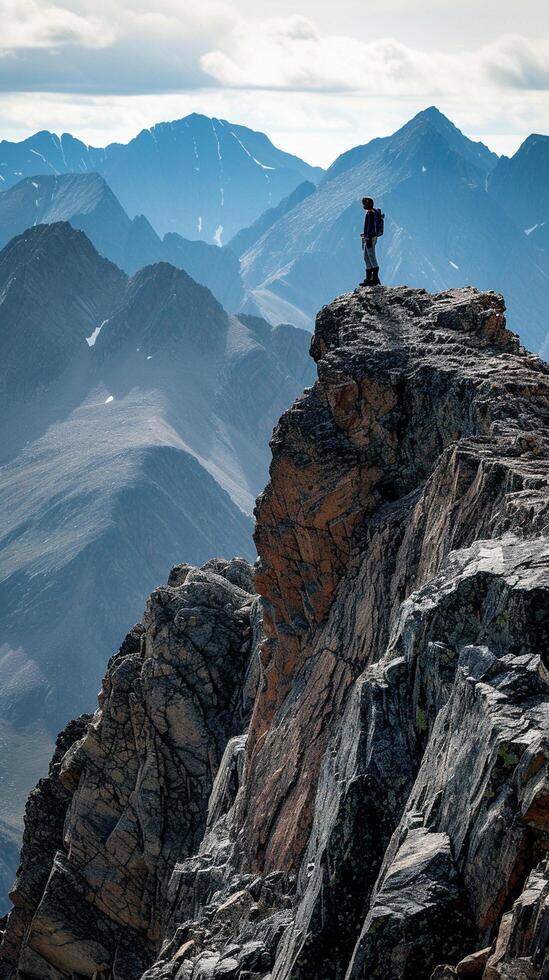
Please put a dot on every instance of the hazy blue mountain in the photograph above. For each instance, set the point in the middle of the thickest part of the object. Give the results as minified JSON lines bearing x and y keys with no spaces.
{"x":134,"y":427}
{"x":54,"y":290}
{"x":443,"y":229}
{"x":521,"y":184}
{"x":244,"y":239}
{"x":476,"y":153}
{"x":83,"y":199}
{"x":88,"y":203}
{"x":214,"y":267}
{"x":202,"y":177}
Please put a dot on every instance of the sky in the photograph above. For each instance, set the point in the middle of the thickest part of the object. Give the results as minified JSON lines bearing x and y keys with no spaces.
{"x":317,"y":77}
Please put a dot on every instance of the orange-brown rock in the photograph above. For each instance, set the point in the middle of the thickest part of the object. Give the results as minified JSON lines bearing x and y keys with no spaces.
{"x":417,"y":402}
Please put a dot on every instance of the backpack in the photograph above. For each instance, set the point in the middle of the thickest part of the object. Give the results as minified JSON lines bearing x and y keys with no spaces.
{"x":379,"y":222}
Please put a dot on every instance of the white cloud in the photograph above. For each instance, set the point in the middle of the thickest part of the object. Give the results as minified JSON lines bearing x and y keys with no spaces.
{"x":130,"y":47}
{"x":289,"y":53}
{"x":105,"y":70}
{"x":31,"y":24}
{"x":124,"y":47}
{"x":516,"y":62}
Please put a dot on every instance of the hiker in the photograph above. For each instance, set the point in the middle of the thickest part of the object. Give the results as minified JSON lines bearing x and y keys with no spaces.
{"x":373,"y":229}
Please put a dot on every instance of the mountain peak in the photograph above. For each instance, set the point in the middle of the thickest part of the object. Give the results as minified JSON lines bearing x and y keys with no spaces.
{"x":523,"y":180}
{"x":430,"y":125}
{"x":164,"y":310}
{"x":474,"y":152}
{"x":54,"y":291}
{"x":168,"y":274}
{"x":64,"y":253}
{"x":47,"y":238}
{"x":432,"y":112}
{"x":535,"y":143}
{"x":199,"y":175}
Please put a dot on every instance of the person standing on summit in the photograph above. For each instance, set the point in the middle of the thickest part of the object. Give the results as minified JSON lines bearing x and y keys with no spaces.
{"x":373,"y":229}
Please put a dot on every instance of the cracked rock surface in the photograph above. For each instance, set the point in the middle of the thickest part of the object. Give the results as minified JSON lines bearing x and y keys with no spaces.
{"x":348,"y":777}
{"x":137,"y":782}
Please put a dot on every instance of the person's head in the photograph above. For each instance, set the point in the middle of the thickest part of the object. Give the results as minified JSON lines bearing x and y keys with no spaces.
{"x":367,"y":203}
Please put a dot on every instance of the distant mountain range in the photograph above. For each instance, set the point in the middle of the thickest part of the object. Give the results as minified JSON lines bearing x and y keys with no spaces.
{"x":202,"y":177}
{"x":135,"y":416}
{"x":455,"y":216}
{"x":88,"y":203}
{"x":456,"y":213}
{"x":521,"y":184}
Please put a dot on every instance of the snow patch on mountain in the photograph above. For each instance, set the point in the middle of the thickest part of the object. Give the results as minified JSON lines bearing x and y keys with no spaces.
{"x":95,"y":334}
{"x":216,"y":140}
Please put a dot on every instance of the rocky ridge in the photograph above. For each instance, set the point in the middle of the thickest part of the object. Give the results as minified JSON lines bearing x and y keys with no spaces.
{"x":385,"y":814}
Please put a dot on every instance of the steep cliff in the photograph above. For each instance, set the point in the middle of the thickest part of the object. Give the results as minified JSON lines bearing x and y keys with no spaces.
{"x":386,"y":812}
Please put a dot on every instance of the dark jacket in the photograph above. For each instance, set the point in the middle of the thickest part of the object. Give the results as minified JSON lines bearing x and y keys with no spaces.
{"x":370,"y":227}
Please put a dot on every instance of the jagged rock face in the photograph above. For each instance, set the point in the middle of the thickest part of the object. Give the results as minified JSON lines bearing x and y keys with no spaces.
{"x":387,"y":813}
{"x":384,"y":468}
{"x":139,"y":779}
{"x":44,"y":819}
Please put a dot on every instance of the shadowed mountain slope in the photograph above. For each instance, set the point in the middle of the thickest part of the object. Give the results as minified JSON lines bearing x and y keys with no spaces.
{"x":87,"y":202}
{"x":244,"y":239}
{"x":521,"y":183}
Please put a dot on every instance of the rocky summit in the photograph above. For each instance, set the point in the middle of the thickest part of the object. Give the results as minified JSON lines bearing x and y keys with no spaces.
{"x":334,"y":766}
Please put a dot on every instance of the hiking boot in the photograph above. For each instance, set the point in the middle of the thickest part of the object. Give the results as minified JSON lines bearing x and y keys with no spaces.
{"x":368,"y":280}
{"x":374,"y":281}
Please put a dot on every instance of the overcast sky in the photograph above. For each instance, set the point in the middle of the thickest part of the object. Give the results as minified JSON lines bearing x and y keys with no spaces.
{"x":318,"y":77}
